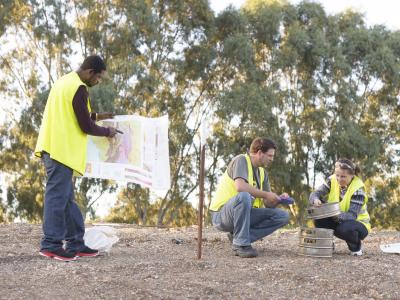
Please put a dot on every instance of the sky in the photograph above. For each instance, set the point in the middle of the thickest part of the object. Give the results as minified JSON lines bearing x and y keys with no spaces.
{"x":385,"y":12}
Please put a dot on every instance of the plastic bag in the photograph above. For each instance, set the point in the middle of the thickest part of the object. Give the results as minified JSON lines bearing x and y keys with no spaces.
{"x":100,"y":238}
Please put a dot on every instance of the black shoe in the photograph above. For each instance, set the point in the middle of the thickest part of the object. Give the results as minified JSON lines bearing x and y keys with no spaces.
{"x":59,"y":254}
{"x":244,"y":251}
{"x":230,"y":236}
{"x":87,"y":252}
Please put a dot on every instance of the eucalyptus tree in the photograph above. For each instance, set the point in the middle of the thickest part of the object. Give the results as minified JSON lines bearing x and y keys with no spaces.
{"x":322,"y":86}
{"x":152,"y":50}
{"x":146,"y":45}
{"x":38,"y":47}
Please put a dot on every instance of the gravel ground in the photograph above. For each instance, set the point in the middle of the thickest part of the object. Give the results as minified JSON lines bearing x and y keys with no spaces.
{"x":147,"y":263}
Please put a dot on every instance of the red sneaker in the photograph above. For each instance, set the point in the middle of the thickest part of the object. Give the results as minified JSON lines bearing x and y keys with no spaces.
{"x":87,"y":252}
{"x":59,"y":254}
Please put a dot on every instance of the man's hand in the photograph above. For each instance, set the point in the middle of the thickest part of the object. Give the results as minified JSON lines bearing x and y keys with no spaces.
{"x":317,"y":202}
{"x":271,"y":199}
{"x":103,"y":116}
{"x":113,"y":131}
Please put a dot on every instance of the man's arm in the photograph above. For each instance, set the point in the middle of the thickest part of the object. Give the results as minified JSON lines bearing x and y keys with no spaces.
{"x":270,"y":199}
{"x":88,"y":126}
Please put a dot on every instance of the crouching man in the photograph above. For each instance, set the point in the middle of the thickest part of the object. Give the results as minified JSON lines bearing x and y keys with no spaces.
{"x":244,"y":205}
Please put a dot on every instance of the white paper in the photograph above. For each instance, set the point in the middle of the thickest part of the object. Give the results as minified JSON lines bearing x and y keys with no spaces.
{"x":139,"y":155}
{"x":391,"y":248}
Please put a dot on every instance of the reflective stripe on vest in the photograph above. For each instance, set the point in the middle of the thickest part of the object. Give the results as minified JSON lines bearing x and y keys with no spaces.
{"x":226,"y":189}
{"x":60,"y":134}
{"x":334,"y":196}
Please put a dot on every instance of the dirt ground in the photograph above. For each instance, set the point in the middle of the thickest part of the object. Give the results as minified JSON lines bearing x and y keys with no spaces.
{"x":147,"y":263}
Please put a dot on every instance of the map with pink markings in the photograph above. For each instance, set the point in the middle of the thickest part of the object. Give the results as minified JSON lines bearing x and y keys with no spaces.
{"x":139,"y":154}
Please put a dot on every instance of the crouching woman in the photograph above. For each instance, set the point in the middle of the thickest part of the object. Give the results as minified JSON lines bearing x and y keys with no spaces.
{"x":345,"y":187}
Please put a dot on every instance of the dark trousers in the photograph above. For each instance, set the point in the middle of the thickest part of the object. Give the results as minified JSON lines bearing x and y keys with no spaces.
{"x":62,"y":219}
{"x":353,"y":232}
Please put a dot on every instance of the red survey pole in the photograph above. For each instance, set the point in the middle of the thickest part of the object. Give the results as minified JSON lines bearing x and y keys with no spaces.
{"x":201,"y":200}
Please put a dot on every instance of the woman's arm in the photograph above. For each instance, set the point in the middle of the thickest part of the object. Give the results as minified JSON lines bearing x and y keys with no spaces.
{"x":356,"y":202}
{"x":317,"y":197}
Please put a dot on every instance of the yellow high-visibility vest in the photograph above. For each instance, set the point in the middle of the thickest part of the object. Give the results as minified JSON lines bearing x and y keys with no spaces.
{"x":226,"y":189}
{"x":60,"y":134}
{"x":334,"y":196}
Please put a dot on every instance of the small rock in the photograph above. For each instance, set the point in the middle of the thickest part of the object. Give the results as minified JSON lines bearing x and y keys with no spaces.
{"x":177,"y":241}
{"x":251,"y":284}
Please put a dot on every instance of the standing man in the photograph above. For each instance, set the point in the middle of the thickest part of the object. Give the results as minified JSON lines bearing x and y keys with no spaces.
{"x":242,"y":193}
{"x":62,"y":146}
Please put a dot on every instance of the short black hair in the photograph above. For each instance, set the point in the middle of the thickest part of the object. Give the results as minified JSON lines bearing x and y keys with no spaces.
{"x":263,"y":144}
{"x":94,"y":62}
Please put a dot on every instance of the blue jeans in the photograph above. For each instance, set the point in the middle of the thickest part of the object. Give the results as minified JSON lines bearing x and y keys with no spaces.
{"x":248,"y":224}
{"x":62,"y":219}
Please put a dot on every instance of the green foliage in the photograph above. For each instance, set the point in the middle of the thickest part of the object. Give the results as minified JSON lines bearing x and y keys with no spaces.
{"x":11,"y":12}
{"x":3,"y":216}
{"x":384,"y":207}
{"x":322,"y":86}
{"x":25,"y":191}
{"x":323,"y":93}
{"x":133,"y":206}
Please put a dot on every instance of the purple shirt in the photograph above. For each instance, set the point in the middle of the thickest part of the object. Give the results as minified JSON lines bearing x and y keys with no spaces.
{"x":86,"y":120}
